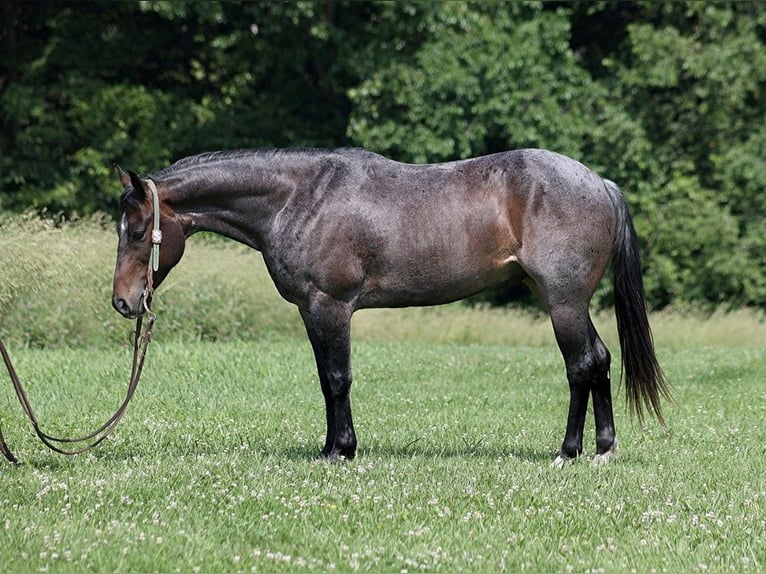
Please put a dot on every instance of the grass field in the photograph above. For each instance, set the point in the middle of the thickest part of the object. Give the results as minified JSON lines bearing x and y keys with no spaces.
{"x":459,"y":413}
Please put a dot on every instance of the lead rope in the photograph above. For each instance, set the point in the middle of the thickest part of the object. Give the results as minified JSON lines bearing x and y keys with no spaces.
{"x":139,"y":355}
{"x":140,"y":346}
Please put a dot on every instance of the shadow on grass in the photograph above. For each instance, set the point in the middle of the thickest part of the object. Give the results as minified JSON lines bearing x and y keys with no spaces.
{"x":141,"y":450}
{"x":468,"y":452}
{"x":413,"y":451}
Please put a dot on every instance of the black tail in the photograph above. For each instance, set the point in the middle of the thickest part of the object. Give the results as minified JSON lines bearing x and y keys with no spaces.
{"x":645,"y":382}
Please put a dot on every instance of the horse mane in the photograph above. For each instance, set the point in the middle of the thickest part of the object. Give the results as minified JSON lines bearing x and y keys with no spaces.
{"x":129,"y":199}
{"x":213,"y":157}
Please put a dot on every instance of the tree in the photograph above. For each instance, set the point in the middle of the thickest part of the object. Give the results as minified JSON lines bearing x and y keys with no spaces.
{"x":149,"y":82}
{"x":694,"y":78}
{"x":481,"y":78}
{"x":666,"y":99}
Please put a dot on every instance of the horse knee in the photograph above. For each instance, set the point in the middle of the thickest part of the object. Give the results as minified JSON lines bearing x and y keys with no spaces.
{"x":602,"y":359}
{"x":339,"y":384}
{"x":590,"y":367}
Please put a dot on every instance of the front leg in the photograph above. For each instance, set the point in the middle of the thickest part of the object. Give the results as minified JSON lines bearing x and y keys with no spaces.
{"x":328,"y":324}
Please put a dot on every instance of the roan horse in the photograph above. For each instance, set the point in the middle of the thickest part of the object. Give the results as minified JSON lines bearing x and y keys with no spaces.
{"x":348,"y":229}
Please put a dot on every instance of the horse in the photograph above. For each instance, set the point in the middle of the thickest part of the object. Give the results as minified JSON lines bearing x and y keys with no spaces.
{"x":347,"y":229}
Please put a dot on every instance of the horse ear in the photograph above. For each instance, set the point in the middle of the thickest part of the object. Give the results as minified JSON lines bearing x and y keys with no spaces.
{"x":138,"y":185}
{"x":131,"y":179}
{"x":124,"y":177}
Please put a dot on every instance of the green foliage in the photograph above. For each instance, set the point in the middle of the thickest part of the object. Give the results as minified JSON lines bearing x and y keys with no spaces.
{"x":708,"y":248}
{"x":666,"y":99}
{"x":481,"y":81}
{"x":485,"y":78}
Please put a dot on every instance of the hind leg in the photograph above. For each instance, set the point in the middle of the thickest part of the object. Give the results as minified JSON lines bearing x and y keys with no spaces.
{"x":601,"y":390}
{"x":587,"y":365}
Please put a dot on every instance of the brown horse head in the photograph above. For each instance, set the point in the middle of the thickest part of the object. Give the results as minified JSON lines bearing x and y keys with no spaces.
{"x":135,"y":243}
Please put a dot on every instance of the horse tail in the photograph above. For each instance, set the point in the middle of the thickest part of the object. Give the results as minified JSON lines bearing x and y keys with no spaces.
{"x":645,"y":381}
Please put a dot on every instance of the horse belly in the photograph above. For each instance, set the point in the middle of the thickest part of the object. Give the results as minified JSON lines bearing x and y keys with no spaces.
{"x":437,"y":265}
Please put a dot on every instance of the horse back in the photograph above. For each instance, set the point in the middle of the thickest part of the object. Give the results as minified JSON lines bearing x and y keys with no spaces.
{"x":385,"y":233}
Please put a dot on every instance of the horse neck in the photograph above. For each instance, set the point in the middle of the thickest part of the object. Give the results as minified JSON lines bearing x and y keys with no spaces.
{"x":234,"y":197}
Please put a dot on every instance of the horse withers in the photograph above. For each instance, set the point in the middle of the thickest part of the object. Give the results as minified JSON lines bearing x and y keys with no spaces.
{"x":348,"y":229}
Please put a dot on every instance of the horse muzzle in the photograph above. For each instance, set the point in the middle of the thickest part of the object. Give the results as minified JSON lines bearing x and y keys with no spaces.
{"x":123,"y":308}
{"x":130,"y":309}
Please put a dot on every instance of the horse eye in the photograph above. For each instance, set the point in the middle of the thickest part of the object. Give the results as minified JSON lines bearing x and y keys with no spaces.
{"x":137,"y":235}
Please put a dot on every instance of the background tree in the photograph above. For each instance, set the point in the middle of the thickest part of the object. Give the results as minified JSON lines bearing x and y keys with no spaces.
{"x":667,"y":99}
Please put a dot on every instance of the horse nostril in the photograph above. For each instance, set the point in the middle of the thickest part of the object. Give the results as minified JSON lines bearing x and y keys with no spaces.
{"x":121,"y":306}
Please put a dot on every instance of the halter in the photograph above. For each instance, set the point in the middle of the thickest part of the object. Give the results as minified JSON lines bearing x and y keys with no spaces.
{"x":154,"y":260}
{"x":140,"y":345}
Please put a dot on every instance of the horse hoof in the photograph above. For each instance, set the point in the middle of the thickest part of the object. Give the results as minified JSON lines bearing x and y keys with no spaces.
{"x":336,"y":456}
{"x":561,"y":461}
{"x":612,"y":454}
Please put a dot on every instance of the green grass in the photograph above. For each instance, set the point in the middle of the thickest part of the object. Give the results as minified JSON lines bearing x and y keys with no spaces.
{"x":459,"y":413}
{"x":214,"y":466}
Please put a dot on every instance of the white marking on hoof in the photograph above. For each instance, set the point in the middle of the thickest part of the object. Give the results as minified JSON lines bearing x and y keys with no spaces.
{"x":561,"y":461}
{"x":612,"y":454}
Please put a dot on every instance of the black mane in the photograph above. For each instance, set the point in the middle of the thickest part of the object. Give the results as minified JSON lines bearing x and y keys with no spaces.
{"x":207,"y":158}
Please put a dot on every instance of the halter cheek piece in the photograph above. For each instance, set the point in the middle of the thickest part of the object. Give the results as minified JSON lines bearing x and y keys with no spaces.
{"x":154,"y":261}
{"x":154,"y":257}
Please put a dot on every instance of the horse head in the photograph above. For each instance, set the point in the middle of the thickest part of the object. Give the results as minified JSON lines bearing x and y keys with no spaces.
{"x":134,"y":250}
